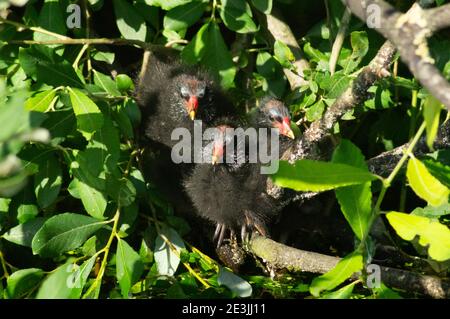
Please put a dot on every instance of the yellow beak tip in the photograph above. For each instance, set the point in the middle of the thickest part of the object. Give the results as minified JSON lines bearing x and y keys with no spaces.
{"x":291,"y":135}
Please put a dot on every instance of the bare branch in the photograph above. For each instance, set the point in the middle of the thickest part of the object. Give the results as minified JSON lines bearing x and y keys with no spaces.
{"x":280,"y":256}
{"x":280,"y":31}
{"x":409,"y":33}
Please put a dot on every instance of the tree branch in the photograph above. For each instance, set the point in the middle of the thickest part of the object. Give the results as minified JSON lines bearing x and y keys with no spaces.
{"x":384,"y":163}
{"x":280,"y":31}
{"x":280,"y":256}
{"x":409,"y":33}
{"x":308,"y":146}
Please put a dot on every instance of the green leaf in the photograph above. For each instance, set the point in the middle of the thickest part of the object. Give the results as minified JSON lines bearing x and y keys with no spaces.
{"x":46,"y":66}
{"x":41,"y":101}
{"x":23,"y":234}
{"x":432,"y":212}
{"x":101,"y":56}
{"x":106,"y":83}
{"x":344,"y":269}
{"x":182,"y":17}
{"x":431,"y":114}
{"x":237,"y":16}
{"x":315,"y":111}
{"x":58,"y":285}
{"x":439,"y":170}
{"x":360,"y":46}
{"x":218,"y":58}
{"x":14,"y":118}
{"x":26,"y":201}
{"x":432,"y":234}
{"x":194,"y":51}
{"x":166,"y":4}
{"x":425,"y":185}
{"x":129,"y":267}
{"x":122,"y":191}
{"x":51,"y":18}
{"x":335,"y":85}
{"x":343,"y":293}
{"x":316,"y":176}
{"x":283,"y":54}
{"x":166,"y":259}
{"x":235,"y":283}
{"x":94,"y":201}
{"x":89,"y":117}
{"x":131,"y":25}
{"x":265,"y":6}
{"x":356,"y":200}
{"x":23,"y":281}
{"x":79,"y":276}
{"x":64,"y":232}
{"x":47,"y":182}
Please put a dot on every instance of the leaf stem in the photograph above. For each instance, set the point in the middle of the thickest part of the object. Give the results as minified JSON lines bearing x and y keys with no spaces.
{"x":3,"y":262}
{"x":21,"y":26}
{"x":106,"y":250}
{"x":387,"y":183}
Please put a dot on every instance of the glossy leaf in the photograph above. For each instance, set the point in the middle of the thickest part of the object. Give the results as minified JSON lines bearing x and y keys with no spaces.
{"x":425,"y":185}
{"x":342,"y":271}
{"x":41,"y":101}
{"x":265,"y":6}
{"x":356,"y":200}
{"x":432,"y":234}
{"x":58,"y":284}
{"x":184,"y":16}
{"x":129,"y":266}
{"x":218,"y":58}
{"x":130,"y":24}
{"x":314,"y":176}
{"x":94,"y":201}
{"x":237,"y":16}
{"x":23,"y":234}
{"x":23,"y":281}
{"x":166,"y":4}
{"x":193,"y":52}
{"x":64,"y":232}
{"x":89,"y":117}
{"x":431,"y":113}
{"x":51,"y":18}
{"x":106,"y":83}
{"x":236,"y":284}
{"x":167,"y":260}
{"x":48,"y":181}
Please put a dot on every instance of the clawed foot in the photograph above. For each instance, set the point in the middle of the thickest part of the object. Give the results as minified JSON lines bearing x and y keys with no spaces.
{"x":251,"y":223}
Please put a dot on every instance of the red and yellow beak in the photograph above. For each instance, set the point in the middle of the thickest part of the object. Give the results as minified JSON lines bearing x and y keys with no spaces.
{"x":192,"y":105}
{"x":217,"y":153}
{"x":285,"y":128}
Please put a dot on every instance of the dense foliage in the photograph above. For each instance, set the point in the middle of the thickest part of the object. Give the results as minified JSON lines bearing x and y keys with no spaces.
{"x":77,"y":219}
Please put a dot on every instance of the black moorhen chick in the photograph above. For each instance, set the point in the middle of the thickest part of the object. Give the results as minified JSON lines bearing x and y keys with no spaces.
{"x":230,"y":194}
{"x":272,"y":113}
{"x":172,"y":94}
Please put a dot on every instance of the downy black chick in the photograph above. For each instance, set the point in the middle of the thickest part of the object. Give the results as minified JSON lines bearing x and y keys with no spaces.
{"x":172,"y":94}
{"x":229,"y":191}
{"x":273,"y":113}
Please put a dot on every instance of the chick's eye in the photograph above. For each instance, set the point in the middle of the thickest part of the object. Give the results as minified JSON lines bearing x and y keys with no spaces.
{"x":201,"y":93}
{"x":184,"y":93}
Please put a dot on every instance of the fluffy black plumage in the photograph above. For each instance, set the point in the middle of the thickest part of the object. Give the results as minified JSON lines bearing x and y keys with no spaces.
{"x":172,"y":94}
{"x":168,"y":95}
{"x":273,"y":113}
{"x":231,"y":194}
